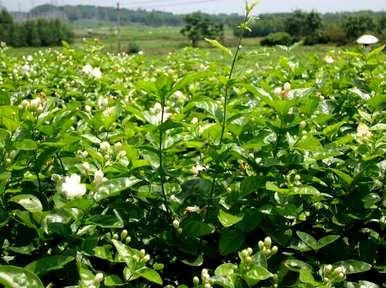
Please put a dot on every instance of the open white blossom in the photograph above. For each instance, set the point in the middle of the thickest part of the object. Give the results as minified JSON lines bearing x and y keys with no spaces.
{"x":197,"y":169}
{"x":329,"y":59}
{"x":72,"y":187}
{"x":87,"y":69}
{"x":363,"y":131}
{"x":156,"y":113}
{"x":96,"y":72}
{"x":91,"y":71}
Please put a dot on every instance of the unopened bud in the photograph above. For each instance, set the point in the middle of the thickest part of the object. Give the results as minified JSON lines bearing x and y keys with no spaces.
{"x":176,"y":224}
{"x":249,"y":260}
{"x":128,"y":239}
{"x":327,"y":269}
{"x":274,"y":250}
{"x":146,"y":258}
{"x":268,"y":242}
{"x":249,"y":250}
{"x":196,"y":280}
{"x":261,"y":245}
{"x":207,"y":285}
{"x":124,"y":234}
{"x":99,"y":277}
{"x":142,"y":252}
{"x":115,"y":236}
{"x":303,"y":124}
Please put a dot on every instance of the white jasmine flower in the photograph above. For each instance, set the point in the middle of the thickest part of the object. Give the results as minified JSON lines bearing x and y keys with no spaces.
{"x":363,"y":131}
{"x":382,"y":166}
{"x":87,"y":108}
{"x":86,"y":166}
{"x":72,"y":187}
{"x":96,"y":72}
{"x":29,"y":58}
{"x":99,"y":177}
{"x":197,"y":169}
{"x":102,"y":101}
{"x":104,"y":147}
{"x":194,"y":120}
{"x":87,"y":69}
{"x":26,"y":68}
{"x":118,"y":147}
{"x":287,"y":86}
{"x":277,"y":91}
{"x":329,"y":59}
{"x":157,"y":108}
{"x":140,"y":52}
{"x":179,"y":96}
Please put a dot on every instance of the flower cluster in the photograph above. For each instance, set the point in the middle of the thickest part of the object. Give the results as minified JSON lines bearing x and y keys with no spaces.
{"x":91,"y":71}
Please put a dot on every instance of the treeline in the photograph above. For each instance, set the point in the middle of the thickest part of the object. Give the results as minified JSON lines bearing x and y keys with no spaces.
{"x":81,"y":13}
{"x":38,"y":32}
{"x":313,"y":27}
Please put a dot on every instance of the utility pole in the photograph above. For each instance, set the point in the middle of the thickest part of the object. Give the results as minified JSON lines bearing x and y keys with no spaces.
{"x":119,"y":26}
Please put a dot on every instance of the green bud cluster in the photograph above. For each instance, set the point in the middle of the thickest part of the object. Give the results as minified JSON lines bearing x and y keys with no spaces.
{"x":334,"y":275}
{"x":266,"y":247}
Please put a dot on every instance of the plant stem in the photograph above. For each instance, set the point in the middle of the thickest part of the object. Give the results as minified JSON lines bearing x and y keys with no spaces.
{"x":37,"y":176}
{"x":225,"y":108}
{"x":160,"y":155}
{"x":61,"y":163}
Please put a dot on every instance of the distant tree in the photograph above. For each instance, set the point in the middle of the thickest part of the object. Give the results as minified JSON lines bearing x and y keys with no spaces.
{"x":33,"y":37}
{"x":313,"y":23}
{"x":6,"y":26}
{"x":199,"y":26}
{"x":358,"y":25}
{"x":296,"y":24}
{"x":382,"y":24}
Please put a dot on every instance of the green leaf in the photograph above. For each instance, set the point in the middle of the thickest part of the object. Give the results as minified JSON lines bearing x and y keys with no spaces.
{"x":228,"y":220}
{"x":230,"y":242}
{"x":29,"y":202}
{"x":353,"y":266}
{"x":4,"y":98}
{"x":251,"y":184}
{"x":257,"y":274}
{"x":296,"y":265}
{"x":225,"y":269}
{"x":113,"y":281}
{"x":218,"y":45}
{"x":16,"y":277}
{"x":305,"y":276}
{"x":149,"y":274}
{"x":197,"y":228}
{"x":114,"y":187}
{"x":345,"y":177}
{"x":326,"y":240}
{"x":309,"y":143}
{"x":26,"y":145}
{"x":106,"y":221}
{"x":308,"y":239}
{"x":46,"y":264}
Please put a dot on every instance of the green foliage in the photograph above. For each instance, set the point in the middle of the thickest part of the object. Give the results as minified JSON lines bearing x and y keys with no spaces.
{"x":199,"y":26}
{"x":33,"y":33}
{"x":356,"y":26}
{"x":117,"y":170}
{"x":278,"y":38}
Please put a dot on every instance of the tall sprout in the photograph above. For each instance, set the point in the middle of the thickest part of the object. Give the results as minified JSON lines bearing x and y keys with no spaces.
{"x":244,"y":26}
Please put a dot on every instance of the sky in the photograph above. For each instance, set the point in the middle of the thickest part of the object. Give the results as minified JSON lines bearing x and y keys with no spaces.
{"x":214,"y":6}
